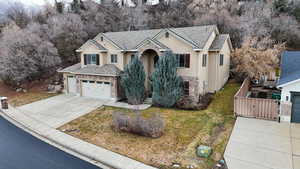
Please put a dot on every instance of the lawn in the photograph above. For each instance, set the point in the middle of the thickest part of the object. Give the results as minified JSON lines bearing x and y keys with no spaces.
{"x":35,"y":93}
{"x":184,"y":131}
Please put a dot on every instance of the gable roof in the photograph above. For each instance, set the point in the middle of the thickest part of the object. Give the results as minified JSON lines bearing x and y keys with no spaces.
{"x":105,"y":70}
{"x":92,"y":43}
{"x":219,"y":42}
{"x":153,"y":41}
{"x":197,"y":36}
{"x":290,"y":69}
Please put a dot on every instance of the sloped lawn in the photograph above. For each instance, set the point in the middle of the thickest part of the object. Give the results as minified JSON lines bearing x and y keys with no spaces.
{"x":35,"y":93}
{"x":184,"y":131}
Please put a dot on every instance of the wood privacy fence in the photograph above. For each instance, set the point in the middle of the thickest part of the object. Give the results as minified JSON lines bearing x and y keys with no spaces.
{"x":254,"y":107}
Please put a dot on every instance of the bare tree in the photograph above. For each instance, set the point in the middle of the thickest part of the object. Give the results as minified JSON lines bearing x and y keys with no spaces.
{"x":25,"y":56}
{"x":18,"y":14}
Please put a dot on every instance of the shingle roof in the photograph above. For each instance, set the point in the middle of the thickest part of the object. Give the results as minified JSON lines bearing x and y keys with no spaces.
{"x":219,"y":42}
{"x":196,"y":35}
{"x":107,"y":70}
{"x":94,"y":43}
{"x":290,"y":69}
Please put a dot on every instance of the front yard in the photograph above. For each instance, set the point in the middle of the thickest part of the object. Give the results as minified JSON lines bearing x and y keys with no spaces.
{"x":184,"y":131}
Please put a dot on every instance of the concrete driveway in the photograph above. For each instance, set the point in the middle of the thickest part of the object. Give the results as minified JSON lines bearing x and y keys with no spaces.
{"x":59,"y":110}
{"x":260,"y":144}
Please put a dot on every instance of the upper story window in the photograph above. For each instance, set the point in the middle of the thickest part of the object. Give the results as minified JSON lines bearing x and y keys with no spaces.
{"x":204,"y":60}
{"x":91,"y":59}
{"x":183,"y":60}
{"x":101,"y":38}
{"x":114,"y":58}
{"x":221,"y":59}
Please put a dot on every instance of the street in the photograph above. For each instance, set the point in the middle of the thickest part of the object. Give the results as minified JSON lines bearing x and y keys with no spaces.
{"x":20,"y":150}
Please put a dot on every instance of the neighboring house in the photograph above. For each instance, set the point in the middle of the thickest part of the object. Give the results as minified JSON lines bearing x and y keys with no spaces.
{"x":203,"y":54}
{"x":289,"y":83}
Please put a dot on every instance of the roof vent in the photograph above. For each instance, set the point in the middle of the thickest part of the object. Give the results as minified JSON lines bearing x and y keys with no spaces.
{"x":167,"y":34}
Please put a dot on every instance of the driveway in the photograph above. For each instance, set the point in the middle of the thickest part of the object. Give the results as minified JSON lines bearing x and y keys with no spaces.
{"x":260,"y":144}
{"x":59,"y":110}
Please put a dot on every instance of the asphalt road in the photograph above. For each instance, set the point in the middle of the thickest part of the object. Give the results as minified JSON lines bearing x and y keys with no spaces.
{"x":20,"y":150}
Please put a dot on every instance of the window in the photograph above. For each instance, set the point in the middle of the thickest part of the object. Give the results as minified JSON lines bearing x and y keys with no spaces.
{"x":183,"y":60}
{"x":204,"y":60}
{"x":221,"y":59}
{"x":287,"y":98}
{"x":167,"y":34}
{"x":91,"y":59}
{"x":114,"y":58}
{"x":186,"y":88}
{"x":92,"y":81}
{"x":101,"y":38}
{"x":84,"y":81}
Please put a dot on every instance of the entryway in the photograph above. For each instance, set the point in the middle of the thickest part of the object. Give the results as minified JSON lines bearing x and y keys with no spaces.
{"x":96,"y":89}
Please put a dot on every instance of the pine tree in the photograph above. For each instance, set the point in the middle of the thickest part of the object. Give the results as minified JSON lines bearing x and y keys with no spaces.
{"x":167,"y":86}
{"x":133,"y":81}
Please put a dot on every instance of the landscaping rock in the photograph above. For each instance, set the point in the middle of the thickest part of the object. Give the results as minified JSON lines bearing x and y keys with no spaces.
{"x":19,"y":90}
{"x":204,"y":151}
{"x":176,"y":165}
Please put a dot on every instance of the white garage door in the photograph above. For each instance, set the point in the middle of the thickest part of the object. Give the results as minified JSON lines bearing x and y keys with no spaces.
{"x":72,"y":84}
{"x":96,"y":89}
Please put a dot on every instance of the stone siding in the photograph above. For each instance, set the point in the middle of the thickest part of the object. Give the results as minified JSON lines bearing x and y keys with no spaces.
{"x":193,"y":87}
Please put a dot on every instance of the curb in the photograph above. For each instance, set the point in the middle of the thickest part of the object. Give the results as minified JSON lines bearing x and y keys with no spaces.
{"x":83,"y":150}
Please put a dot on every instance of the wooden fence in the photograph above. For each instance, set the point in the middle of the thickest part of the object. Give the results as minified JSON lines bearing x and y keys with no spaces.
{"x":254,"y":107}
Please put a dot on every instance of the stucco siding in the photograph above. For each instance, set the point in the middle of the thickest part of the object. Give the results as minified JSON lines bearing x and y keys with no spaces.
{"x":223,"y":70}
{"x":285,"y":91}
{"x":180,"y":47}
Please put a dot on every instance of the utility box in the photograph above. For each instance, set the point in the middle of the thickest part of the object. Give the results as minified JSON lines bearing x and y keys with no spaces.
{"x":4,"y":103}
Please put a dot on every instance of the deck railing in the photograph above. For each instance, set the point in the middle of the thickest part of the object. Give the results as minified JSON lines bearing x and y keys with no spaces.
{"x":254,"y":107}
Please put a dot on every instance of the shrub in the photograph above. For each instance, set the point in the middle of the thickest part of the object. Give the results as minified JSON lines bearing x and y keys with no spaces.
{"x":133,"y":81}
{"x":187,"y":103}
{"x":167,"y":85}
{"x":137,"y":124}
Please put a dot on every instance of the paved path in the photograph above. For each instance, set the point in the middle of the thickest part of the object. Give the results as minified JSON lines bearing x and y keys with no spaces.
{"x":20,"y":150}
{"x":260,"y":144}
{"x":59,"y":110}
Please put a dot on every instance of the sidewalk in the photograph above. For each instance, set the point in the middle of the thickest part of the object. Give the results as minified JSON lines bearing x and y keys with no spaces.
{"x":84,"y":150}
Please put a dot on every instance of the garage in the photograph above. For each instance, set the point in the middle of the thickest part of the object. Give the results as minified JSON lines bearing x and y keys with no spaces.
{"x":72,"y":84}
{"x":296,"y":108}
{"x":96,"y":89}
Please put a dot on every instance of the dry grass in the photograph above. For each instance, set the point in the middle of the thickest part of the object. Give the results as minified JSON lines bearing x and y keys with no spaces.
{"x":29,"y":97}
{"x":34,"y":93}
{"x":184,"y":131}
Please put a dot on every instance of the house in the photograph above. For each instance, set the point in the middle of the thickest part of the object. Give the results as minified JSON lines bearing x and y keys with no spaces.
{"x":289,"y":83}
{"x":203,"y":54}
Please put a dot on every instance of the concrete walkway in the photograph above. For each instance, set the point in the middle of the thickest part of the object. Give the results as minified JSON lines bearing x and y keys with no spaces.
{"x":77,"y":147}
{"x":260,"y":144}
{"x":59,"y":110}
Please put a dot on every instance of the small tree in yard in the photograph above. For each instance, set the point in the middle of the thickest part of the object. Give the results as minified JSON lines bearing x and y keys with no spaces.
{"x":167,"y":86}
{"x":133,"y":81}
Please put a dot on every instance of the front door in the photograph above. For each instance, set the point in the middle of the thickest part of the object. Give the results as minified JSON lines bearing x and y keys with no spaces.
{"x":296,"y":108}
{"x":72,"y":84}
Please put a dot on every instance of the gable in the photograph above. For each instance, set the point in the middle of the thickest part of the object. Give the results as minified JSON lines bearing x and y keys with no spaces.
{"x":91,"y":45}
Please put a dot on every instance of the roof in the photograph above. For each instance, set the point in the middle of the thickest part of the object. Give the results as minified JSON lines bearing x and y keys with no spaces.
{"x":197,"y":36}
{"x":219,"y":41}
{"x":290,"y":69}
{"x":93,"y":43}
{"x":106,"y":70}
